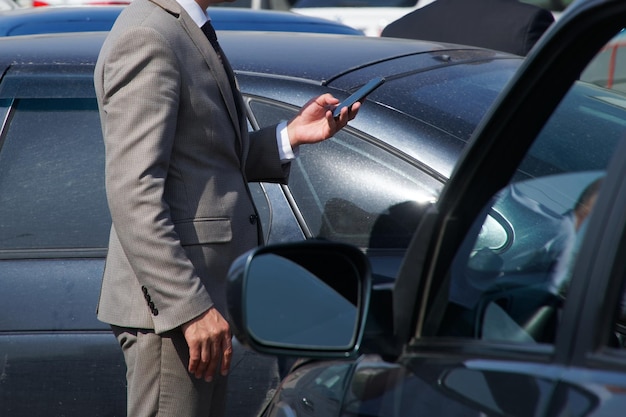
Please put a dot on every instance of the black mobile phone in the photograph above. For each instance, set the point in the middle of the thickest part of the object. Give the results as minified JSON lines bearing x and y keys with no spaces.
{"x":358,"y":95}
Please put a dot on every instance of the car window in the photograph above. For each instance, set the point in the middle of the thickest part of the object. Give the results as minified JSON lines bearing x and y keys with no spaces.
{"x":606,"y":68}
{"x":352,"y":190}
{"x":51,"y":166}
{"x":452,"y":98}
{"x":514,"y":290}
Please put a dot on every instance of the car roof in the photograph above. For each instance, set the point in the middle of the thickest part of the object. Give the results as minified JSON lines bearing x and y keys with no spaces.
{"x":247,"y":52}
{"x":36,"y":20}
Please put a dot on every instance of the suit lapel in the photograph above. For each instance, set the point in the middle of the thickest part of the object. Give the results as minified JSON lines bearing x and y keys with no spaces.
{"x":218,"y":70}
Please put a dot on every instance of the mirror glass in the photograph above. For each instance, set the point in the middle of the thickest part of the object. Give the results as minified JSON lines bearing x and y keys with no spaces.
{"x":288,"y":305}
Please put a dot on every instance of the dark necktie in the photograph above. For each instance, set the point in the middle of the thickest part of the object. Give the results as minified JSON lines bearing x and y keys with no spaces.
{"x":209,"y":32}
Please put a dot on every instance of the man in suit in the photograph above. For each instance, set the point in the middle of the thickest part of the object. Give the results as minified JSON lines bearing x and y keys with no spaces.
{"x":178,"y":159}
{"x":504,"y":25}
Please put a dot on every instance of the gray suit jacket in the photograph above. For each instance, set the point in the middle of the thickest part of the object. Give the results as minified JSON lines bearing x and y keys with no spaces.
{"x":178,"y":159}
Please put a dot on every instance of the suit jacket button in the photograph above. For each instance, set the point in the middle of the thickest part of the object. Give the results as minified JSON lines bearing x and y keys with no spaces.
{"x":253,"y":218}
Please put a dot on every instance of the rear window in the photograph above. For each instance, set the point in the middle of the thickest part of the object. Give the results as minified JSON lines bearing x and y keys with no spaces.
{"x":454,"y":98}
{"x":51,"y":162}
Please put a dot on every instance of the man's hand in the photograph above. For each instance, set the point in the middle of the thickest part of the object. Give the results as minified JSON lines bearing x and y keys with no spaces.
{"x":315,"y":122}
{"x":210,"y":344}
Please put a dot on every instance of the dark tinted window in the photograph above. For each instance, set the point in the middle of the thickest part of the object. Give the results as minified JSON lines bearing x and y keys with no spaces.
{"x":352,"y":191}
{"x":451,"y":91}
{"x":51,"y":176}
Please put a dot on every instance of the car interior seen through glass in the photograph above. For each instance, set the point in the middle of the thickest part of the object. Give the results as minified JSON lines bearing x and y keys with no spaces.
{"x":515,"y":292}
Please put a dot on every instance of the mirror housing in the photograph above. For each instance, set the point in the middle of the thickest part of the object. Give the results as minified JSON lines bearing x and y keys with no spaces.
{"x":305,"y":299}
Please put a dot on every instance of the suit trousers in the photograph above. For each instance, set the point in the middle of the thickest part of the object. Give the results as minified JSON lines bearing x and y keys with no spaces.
{"x":158,"y":381}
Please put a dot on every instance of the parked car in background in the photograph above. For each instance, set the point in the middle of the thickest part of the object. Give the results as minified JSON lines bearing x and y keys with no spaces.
{"x":8,"y":5}
{"x":34,"y":20}
{"x":370,"y":16}
{"x":55,"y":357}
{"x":467,"y":330}
{"x":608,"y":69}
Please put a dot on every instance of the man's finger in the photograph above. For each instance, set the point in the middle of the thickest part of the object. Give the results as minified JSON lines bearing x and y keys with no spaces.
{"x":211,"y":364}
{"x":194,"y":359}
{"x":227,"y":356}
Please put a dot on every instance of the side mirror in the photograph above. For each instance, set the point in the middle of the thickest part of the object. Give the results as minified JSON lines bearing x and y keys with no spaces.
{"x":306,"y":299}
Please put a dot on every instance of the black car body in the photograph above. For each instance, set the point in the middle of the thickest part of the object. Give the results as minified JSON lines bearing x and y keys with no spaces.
{"x":467,"y":330}
{"x":55,"y":357}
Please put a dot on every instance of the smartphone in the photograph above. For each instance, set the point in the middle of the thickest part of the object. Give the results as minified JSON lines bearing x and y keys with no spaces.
{"x":358,"y":95}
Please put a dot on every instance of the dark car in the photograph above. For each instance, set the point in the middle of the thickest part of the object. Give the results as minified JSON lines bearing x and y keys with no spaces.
{"x":55,"y":357}
{"x":466,"y":329}
{"x":36,"y":20}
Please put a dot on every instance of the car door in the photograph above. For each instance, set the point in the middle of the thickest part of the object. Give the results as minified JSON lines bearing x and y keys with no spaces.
{"x":510,"y":299}
{"x":496,"y":338}
{"x":594,"y":346}
{"x":496,"y":264}
{"x":56,"y":358}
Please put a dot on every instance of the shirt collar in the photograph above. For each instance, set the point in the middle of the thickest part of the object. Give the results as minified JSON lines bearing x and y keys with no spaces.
{"x":195,"y":11}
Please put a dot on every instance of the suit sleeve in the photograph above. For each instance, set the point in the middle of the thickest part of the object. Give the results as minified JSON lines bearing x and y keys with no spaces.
{"x":263,"y":162}
{"x":140,"y":103}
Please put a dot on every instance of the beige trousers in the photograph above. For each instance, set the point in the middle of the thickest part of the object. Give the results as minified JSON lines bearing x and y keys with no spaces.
{"x":159,"y":384}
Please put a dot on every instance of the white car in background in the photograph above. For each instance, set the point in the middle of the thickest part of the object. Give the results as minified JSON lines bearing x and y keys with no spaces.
{"x":370,"y":16}
{"x":8,"y":5}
